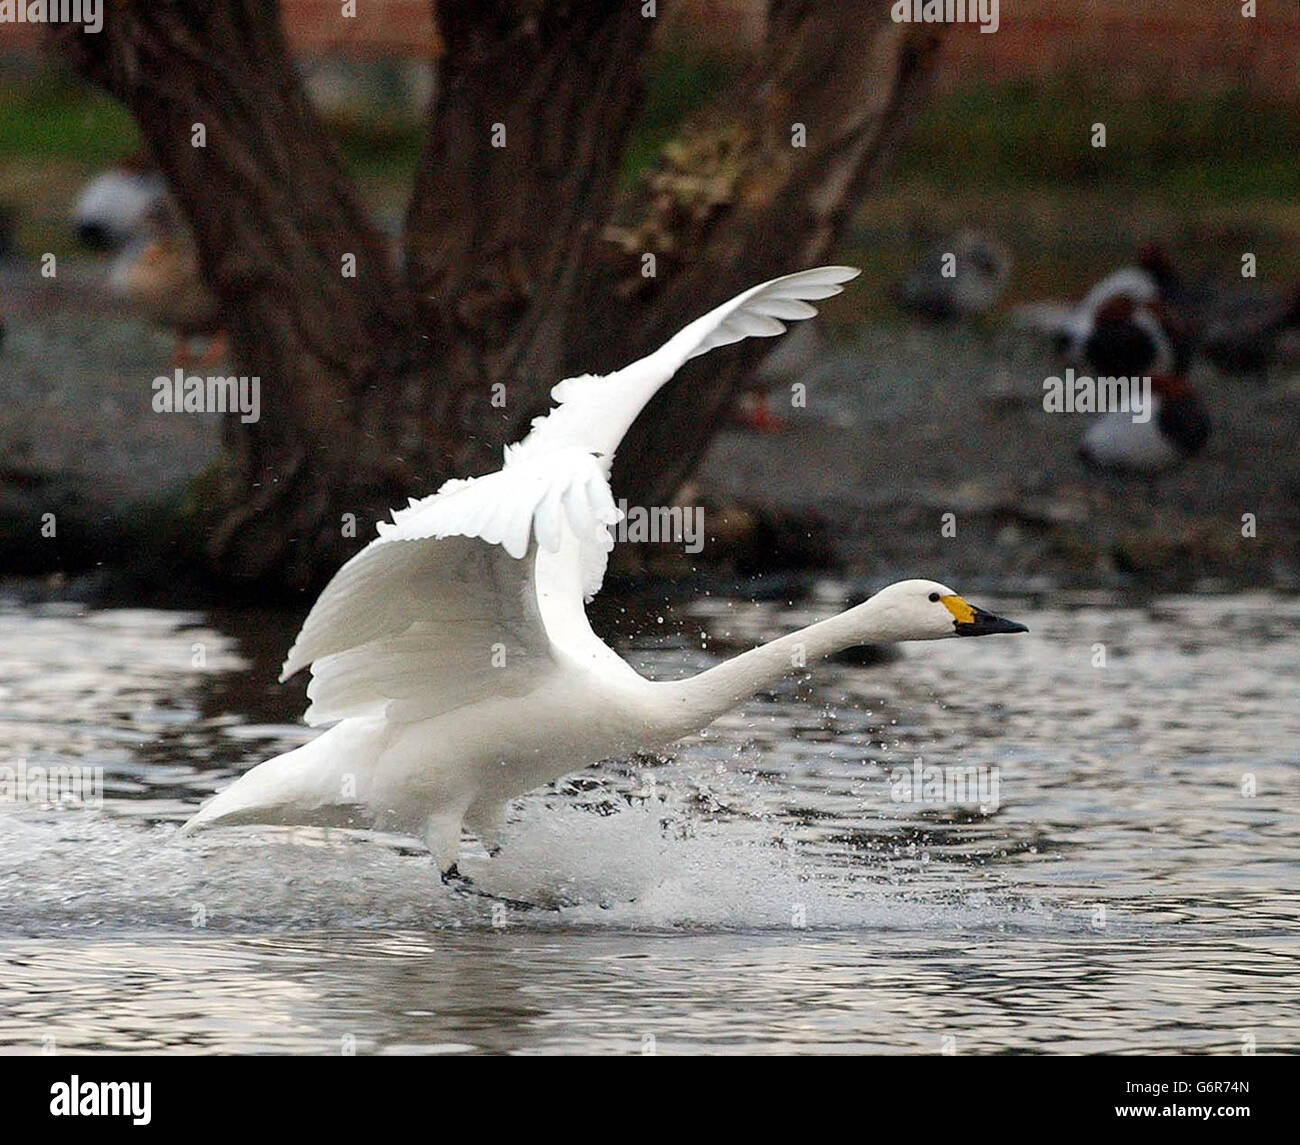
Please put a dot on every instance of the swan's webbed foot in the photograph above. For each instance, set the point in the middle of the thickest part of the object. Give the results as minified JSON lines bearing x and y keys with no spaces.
{"x":452,"y":877}
{"x":464,"y":885}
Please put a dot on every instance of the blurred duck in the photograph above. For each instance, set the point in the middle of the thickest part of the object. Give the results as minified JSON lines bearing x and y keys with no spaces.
{"x":1069,"y":327}
{"x":158,"y":274}
{"x":111,"y":209}
{"x":1237,"y":326}
{"x":127,"y":210}
{"x":1177,"y":429}
{"x":1131,"y":339}
{"x":1240,"y":328}
{"x":981,"y":269}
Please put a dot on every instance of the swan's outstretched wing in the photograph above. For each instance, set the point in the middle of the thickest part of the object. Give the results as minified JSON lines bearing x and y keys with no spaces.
{"x":595,"y":412}
{"x":441,"y":609}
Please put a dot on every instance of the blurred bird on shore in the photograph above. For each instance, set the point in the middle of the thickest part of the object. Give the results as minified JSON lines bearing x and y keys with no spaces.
{"x":1241,"y":328}
{"x":1069,"y":325}
{"x":1236,"y":325}
{"x":127,"y":210}
{"x":113,"y":206}
{"x":1177,"y":429}
{"x":961,"y":278}
{"x":158,"y":274}
{"x":1136,"y":341}
{"x":1129,"y":339}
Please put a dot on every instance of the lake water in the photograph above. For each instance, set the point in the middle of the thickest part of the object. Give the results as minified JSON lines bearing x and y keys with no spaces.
{"x":1122,"y":875}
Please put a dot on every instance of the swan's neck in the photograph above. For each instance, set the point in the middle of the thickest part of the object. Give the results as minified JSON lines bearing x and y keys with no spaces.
{"x":719,"y":689}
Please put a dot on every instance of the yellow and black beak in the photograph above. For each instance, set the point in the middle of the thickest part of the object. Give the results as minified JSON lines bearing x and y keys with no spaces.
{"x":971,"y":621}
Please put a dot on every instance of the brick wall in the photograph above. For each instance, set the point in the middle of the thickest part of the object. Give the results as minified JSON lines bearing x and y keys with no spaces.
{"x":1174,"y":45}
{"x":1139,"y":44}
{"x":380,"y":27}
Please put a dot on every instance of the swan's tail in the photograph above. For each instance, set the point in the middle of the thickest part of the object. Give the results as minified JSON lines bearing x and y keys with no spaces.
{"x":313,"y":785}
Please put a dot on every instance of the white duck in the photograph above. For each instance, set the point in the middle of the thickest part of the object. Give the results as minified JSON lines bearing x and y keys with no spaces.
{"x":453,"y":654}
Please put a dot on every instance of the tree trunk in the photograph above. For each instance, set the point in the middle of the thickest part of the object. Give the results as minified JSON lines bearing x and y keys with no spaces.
{"x":377,"y":387}
{"x":534,"y":106}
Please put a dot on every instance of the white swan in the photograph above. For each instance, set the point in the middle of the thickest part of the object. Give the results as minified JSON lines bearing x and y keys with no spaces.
{"x":453,"y":653}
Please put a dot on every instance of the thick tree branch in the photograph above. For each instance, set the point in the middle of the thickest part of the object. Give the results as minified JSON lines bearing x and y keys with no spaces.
{"x":380,"y":386}
{"x":735,"y":201}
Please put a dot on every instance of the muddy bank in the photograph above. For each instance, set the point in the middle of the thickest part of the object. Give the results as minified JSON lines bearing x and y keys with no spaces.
{"x":90,"y":476}
{"x":908,"y":424}
{"x":902,"y":425}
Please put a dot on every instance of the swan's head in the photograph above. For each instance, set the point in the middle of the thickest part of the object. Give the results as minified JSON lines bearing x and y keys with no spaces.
{"x":928,"y":610}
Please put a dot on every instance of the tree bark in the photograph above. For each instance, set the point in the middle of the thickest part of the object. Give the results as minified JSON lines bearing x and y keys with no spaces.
{"x":518,"y":175}
{"x":379,"y":386}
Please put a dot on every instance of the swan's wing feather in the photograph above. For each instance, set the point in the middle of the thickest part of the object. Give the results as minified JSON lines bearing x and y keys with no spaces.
{"x":595,"y":412}
{"x":478,"y":636}
{"x":440,"y":609}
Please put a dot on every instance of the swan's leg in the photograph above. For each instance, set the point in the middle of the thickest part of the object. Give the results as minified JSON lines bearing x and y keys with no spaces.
{"x":487,"y":820}
{"x":464,"y":885}
{"x":442,"y":837}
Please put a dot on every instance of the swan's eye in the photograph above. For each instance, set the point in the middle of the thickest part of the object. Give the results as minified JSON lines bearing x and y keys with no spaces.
{"x":934,"y":598}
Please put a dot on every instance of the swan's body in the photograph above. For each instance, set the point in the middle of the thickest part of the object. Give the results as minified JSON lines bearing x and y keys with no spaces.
{"x":454,"y":651}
